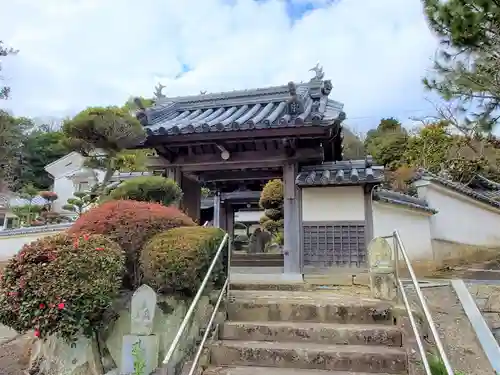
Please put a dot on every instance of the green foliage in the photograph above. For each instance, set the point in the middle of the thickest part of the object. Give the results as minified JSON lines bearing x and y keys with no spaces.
{"x":40,"y":148}
{"x":149,"y":189}
{"x":130,"y":224}
{"x":12,"y":131}
{"x":176,"y":261}
{"x":437,"y":366}
{"x":274,"y":213}
{"x":469,"y":32}
{"x":138,"y":356}
{"x":61,"y":285}
{"x":387,"y":142}
{"x":80,"y":201}
{"x":273,"y":226}
{"x":271,"y":199}
{"x":272,"y":195}
{"x":5,"y":51}
{"x":102,"y":135}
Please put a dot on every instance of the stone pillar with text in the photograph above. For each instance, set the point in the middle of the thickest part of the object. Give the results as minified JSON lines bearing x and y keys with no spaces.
{"x":291,"y":233}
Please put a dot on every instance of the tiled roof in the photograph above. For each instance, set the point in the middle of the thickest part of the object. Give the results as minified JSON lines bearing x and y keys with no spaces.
{"x":402,"y":200}
{"x":479,"y":195}
{"x":245,"y":109}
{"x":40,"y":229}
{"x":352,"y":172}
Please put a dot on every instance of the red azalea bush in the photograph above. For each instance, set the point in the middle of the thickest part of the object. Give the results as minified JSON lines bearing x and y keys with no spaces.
{"x":130,"y":224}
{"x":61,"y":285}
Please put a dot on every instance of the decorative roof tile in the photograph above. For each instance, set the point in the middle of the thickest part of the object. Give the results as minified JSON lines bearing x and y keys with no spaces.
{"x":280,"y":106}
{"x":351,"y":172}
{"x":394,"y":197}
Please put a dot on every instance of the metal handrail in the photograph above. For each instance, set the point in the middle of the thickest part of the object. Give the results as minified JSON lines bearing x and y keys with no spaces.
{"x":399,"y":247}
{"x":197,"y":297}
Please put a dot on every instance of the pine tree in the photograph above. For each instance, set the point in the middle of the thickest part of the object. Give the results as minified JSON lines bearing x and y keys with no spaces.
{"x":467,"y":65}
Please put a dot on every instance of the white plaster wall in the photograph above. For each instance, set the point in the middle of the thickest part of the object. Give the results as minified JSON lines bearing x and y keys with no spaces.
{"x":248,"y":216}
{"x":413,"y":227}
{"x":10,"y":245}
{"x":329,"y":203}
{"x":460,"y":218}
{"x":64,"y":188}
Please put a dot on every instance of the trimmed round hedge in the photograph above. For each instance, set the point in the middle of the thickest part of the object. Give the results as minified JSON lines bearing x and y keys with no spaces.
{"x":176,"y":261}
{"x":61,"y":285}
{"x":130,"y":224}
{"x":272,"y":195}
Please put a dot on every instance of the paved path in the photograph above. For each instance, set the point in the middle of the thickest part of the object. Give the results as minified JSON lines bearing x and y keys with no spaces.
{"x":6,"y":333}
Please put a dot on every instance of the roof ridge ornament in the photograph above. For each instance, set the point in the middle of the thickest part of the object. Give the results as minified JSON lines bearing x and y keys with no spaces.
{"x":318,"y":73}
{"x":295,"y":104}
{"x":158,"y":93}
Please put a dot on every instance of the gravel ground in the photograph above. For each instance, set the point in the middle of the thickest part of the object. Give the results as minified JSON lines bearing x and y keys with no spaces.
{"x":13,"y":356}
{"x":455,"y":331}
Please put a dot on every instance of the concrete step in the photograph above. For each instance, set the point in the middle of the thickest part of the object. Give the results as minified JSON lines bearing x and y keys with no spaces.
{"x":257,"y":262}
{"x":284,"y":286}
{"x":320,"y":333}
{"x":253,"y":370}
{"x":256,"y":256}
{"x":307,"y":306}
{"x":309,"y":356}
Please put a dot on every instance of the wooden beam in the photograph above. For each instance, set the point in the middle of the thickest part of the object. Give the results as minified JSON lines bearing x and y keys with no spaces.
{"x":211,"y":137}
{"x":240,"y":175}
{"x":245,"y":160}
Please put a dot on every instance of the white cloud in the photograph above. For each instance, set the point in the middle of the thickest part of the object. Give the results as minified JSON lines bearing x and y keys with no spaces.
{"x":77,"y":53}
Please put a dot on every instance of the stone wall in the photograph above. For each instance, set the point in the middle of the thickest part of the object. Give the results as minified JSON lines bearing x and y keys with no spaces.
{"x":111,"y":354}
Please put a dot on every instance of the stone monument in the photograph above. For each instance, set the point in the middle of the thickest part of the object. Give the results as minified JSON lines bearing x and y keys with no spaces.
{"x":382,"y":270}
{"x":141,"y":343}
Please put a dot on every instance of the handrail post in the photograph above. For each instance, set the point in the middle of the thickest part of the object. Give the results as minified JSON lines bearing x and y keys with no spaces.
{"x":196,"y":298}
{"x":395,"y":246}
{"x":427,"y":312}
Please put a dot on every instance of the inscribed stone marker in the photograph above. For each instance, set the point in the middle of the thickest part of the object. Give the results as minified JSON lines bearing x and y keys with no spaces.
{"x":381,"y":261}
{"x":142,"y":310}
{"x":380,"y":255}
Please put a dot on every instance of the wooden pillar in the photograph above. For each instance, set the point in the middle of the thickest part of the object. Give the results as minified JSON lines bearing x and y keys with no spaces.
{"x":223,"y":215}
{"x":191,"y":199}
{"x":291,"y":249}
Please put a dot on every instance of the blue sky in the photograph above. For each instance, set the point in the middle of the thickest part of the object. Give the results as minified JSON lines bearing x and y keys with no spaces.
{"x":77,"y":53}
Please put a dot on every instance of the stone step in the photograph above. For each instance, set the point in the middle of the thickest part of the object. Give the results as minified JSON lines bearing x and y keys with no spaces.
{"x":307,"y":306}
{"x":253,"y":370}
{"x":256,"y":256}
{"x":284,"y":286}
{"x":257,"y":262}
{"x":320,"y":333}
{"x":309,"y":356}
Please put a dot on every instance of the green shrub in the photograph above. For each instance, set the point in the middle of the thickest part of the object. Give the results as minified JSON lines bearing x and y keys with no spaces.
{"x":273,"y":226}
{"x":272,"y":195}
{"x":437,"y":366}
{"x":149,"y":189}
{"x":177,"y":260}
{"x":61,"y":285}
{"x":274,"y":213}
{"x":263,"y":219}
{"x":271,"y":199}
{"x":130,"y":224}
